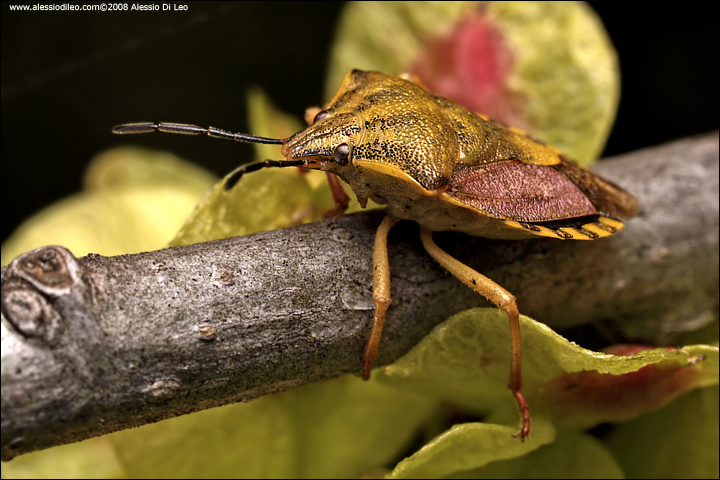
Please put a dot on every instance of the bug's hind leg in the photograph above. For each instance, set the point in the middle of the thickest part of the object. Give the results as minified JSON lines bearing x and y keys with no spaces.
{"x":504,"y":300}
{"x":381,"y":292}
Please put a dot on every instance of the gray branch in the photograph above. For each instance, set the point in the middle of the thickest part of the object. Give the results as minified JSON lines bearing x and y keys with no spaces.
{"x":97,"y":344}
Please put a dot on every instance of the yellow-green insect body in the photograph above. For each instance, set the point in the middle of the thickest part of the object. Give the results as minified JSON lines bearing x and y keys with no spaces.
{"x":432,"y":161}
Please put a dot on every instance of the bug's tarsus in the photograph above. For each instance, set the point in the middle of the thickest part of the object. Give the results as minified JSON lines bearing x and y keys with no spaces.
{"x":187,"y":129}
{"x":524,"y":414}
{"x":236,"y":175}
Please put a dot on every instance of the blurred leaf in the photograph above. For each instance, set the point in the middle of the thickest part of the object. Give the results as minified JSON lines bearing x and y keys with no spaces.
{"x":466,"y":360}
{"x":586,"y":397}
{"x":346,"y":427}
{"x":388,"y":36}
{"x":679,"y":441}
{"x":267,"y":199}
{"x":138,"y":210}
{"x":93,"y":458}
{"x":469,"y":446}
{"x":266,"y":120}
{"x":567,"y":70}
{"x":335,"y":429}
{"x":238,"y":440}
{"x":546,"y":67}
{"x":129,"y":166}
{"x":571,"y":455}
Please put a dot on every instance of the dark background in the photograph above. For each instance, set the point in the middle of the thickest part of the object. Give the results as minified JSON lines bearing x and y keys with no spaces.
{"x":67,"y":78}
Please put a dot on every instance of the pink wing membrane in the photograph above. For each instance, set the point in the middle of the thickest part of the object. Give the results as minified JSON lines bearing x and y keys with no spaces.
{"x":519,"y":191}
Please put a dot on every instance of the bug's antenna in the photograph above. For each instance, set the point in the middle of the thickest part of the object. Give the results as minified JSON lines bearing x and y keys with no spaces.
{"x":236,"y":175}
{"x":186,"y":129}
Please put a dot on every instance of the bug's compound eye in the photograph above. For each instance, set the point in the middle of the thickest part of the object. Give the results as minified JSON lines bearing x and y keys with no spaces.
{"x":341,"y":154}
{"x":321,"y":115}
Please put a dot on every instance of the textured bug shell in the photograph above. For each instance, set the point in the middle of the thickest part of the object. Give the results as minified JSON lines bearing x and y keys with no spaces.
{"x":387,"y":121}
{"x":447,"y":168}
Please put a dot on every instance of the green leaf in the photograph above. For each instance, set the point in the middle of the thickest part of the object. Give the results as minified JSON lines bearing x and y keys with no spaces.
{"x":679,"y":441}
{"x":571,"y":455}
{"x":136,"y":200}
{"x":130,"y":166}
{"x":469,"y":446}
{"x":241,"y":440}
{"x":546,"y":67}
{"x":387,"y":36}
{"x":348,"y":427}
{"x":567,"y":69}
{"x":93,"y":458}
{"x":466,"y":360}
{"x":585,"y":398}
{"x":335,"y":429}
{"x":267,"y":199}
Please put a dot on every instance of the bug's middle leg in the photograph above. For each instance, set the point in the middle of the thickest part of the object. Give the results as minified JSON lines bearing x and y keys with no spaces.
{"x":504,"y":300}
{"x":381,"y":292}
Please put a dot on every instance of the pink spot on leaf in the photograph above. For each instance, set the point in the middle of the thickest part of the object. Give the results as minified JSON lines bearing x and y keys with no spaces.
{"x":471,"y":66}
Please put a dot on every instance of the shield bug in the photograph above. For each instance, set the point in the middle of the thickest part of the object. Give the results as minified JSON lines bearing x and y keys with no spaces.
{"x":432,"y":161}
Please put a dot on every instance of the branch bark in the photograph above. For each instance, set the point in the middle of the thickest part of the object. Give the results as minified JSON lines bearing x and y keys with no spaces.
{"x":96,"y":344}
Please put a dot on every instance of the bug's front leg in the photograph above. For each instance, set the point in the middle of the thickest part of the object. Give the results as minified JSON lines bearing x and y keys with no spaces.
{"x":340,"y":198}
{"x":381,"y":292}
{"x":504,"y":300}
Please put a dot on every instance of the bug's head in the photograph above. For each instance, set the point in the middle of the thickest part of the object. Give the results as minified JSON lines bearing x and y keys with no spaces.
{"x":382,"y":126}
{"x":327,"y":144}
